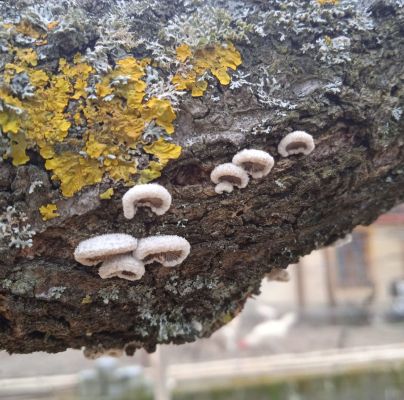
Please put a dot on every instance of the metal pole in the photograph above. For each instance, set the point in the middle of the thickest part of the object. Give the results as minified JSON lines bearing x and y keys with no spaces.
{"x":301,"y":298}
{"x":161,"y":391}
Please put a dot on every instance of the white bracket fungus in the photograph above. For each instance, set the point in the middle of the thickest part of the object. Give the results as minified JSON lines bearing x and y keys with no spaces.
{"x":99,"y":248}
{"x":256,"y":163}
{"x":151,"y":195}
{"x":228,"y":175}
{"x":168,"y":250}
{"x":297,"y":142}
{"x":123,"y":266}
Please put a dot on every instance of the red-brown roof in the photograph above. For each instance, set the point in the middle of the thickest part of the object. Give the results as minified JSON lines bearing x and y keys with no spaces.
{"x":393,"y":217}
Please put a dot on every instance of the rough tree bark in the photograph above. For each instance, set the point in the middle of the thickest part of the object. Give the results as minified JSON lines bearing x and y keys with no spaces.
{"x":351,"y":107}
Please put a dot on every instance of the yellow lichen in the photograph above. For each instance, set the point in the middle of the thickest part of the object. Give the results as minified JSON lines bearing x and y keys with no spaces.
{"x":107,"y":194}
{"x":28,"y":29}
{"x":48,"y":211}
{"x":74,"y":172}
{"x":328,"y":40}
{"x":162,"y":112}
{"x":18,"y":148}
{"x":120,"y":170}
{"x":165,"y":152}
{"x":217,"y":59}
{"x":9,"y":122}
{"x":86,"y":300}
{"x":46,"y":123}
{"x":152,"y":172}
{"x":52,"y":25}
{"x":87,"y":125}
{"x":327,"y":2}
{"x":27,"y":56}
{"x":183,"y":52}
{"x":38,"y":78}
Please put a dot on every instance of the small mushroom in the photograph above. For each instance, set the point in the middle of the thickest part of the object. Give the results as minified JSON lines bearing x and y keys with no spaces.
{"x":168,"y":250}
{"x":257,"y":163}
{"x":151,"y":195}
{"x":123,"y":266}
{"x":297,"y":142}
{"x":99,"y":248}
{"x":228,"y":175}
{"x":224,"y":187}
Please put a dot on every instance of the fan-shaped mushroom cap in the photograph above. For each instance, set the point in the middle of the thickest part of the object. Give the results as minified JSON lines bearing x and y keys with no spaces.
{"x":228,"y":174}
{"x":295,"y":143}
{"x":99,"y":248}
{"x":257,"y":163}
{"x":151,"y":195}
{"x":168,"y":250}
{"x":123,"y":266}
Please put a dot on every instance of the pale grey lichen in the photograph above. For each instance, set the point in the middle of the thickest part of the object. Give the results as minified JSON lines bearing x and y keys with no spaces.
{"x":333,"y":87}
{"x":308,"y":19}
{"x":397,"y":113}
{"x":153,"y":132}
{"x":239,"y":79}
{"x":269,"y":92}
{"x":4,"y":147}
{"x":334,"y":51}
{"x":129,"y":8}
{"x":52,"y":293}
{"x":109,"y":294}
{"x":21,"y":87}
{"x":19,"y":287}
{"x":182,"y":223}
{"x":206,"y":25}
{"x":173,"y":325}
{"x":14,"y":229}
{"x":35,"y":184}
{"x":42,"y":14}
{"x":162,"y":88}
{"x":187,"y":287}
{"x":6,"y":283}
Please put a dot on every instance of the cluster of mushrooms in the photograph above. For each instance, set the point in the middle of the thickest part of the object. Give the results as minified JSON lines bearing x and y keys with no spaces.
{"x":257,"y":163}
{"x":124,"y":256}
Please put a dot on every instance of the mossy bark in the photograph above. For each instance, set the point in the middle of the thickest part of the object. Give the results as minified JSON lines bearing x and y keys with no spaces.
{"x":48,"y":302}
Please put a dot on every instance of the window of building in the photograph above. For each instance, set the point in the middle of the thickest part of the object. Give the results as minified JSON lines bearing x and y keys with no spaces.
{"x":352,"y":268}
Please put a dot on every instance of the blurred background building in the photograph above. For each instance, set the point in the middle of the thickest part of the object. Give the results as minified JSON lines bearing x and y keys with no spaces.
{"x":356,"y":279}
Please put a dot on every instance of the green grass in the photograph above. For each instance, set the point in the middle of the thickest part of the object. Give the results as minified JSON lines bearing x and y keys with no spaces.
{"x":381,"y":385}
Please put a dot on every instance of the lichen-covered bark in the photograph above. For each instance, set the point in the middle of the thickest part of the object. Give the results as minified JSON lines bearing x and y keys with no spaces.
{"x":49,"y":302}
